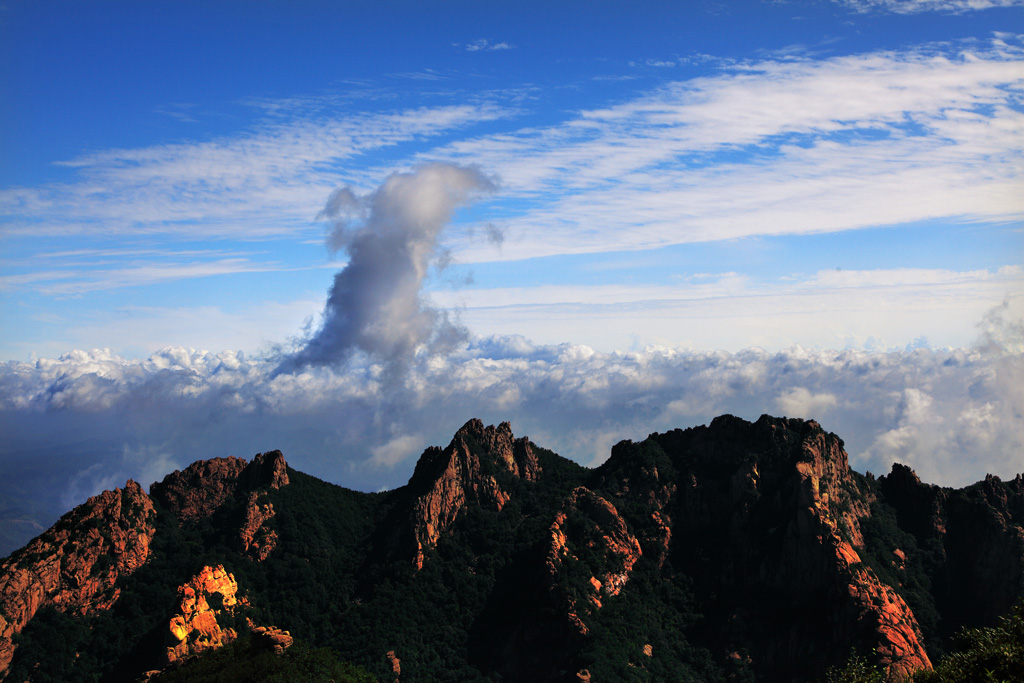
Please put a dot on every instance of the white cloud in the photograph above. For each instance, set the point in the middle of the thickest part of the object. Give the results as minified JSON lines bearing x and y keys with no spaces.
{"x":485,"y":45}
{"x":952,"y":414}
{"x":654,"y":62}
{"x":776,"y":147}
{"x":828,"y":309}
{"x":801,"y":402}
{"x":268,"y":181}
{"x":397,"y":450}
{"x":75,"y":279}
{"x":917,"y":6}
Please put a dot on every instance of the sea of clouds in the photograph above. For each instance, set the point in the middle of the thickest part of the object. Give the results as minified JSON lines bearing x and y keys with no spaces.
{"x":952,"y":415}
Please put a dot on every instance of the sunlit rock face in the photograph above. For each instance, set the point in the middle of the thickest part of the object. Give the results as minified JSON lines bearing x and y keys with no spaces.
{"x":255,"y":538}
{"x":194,"y":629}
{"x":588,"y":520}
{"x":75,"y":565}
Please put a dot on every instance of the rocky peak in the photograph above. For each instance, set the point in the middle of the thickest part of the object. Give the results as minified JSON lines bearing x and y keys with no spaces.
{"x":771,"y":507}
{"x":205,"y":485}
{"x":514,"y":455}
{"x":74,"y":565}
{"x":921,"y":507}
{"x":200,"y":489}
{"x":982,"y":543}
{"x":475,"y":452}
{"x":467,"y":471}
{"x":266,"y":471}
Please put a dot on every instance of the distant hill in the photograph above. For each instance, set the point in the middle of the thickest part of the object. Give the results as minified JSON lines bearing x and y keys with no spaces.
{"x":736,"y":551}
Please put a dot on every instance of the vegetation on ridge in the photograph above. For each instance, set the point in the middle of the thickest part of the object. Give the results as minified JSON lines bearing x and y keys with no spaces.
{"x":992,"y":654}
{"x":728,"y":569}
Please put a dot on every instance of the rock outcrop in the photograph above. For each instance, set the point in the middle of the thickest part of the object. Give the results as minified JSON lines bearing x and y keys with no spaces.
{"x":205,"y":485}
{"x":74,"y":566}
{"x":768,"y":508}
{"x":255,"y":538}
{"x":394,"y":665}
{"x":194,"y":628}
{"x":589,"y":521}
{"x":979,"y":531}
{"x":272,"y":638}
{"x":469,"y":470}
{"x":200,"y":489}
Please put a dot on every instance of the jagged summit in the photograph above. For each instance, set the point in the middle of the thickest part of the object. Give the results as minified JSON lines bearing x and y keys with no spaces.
{"x":468,"y":471}
{"x":206,"y":484}
{"x":486,"y":447}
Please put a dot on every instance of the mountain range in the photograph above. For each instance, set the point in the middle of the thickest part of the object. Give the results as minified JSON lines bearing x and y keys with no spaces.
{"x":736,"y":551}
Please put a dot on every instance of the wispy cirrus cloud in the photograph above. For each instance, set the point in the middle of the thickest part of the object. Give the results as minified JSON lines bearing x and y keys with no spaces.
{"x":789,"y":146}
{"x":81,"y":271}
{"x":268,"y":181}
{"x":77,"y":281}
{"x":775,"y":147}
{"x":875,"y":309}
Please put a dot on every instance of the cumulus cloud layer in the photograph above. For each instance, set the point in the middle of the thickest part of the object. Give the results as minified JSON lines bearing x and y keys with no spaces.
{"x":953,"y":415}
{"x":391,"y":235}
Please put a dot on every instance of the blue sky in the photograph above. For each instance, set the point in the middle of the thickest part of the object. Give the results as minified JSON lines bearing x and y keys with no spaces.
{"x":669,"y":180}
{"x":168,"y":158}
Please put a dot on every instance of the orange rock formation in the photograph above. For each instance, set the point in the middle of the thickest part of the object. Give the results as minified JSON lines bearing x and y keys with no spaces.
{"x":822,"y":472}
{"x":194,"y":629}
{"x":256,"y":539}
{"x":74,"y":565}
{"x":205,"y":485}
{"x":466,"y":470}
{"x":587,"y":519}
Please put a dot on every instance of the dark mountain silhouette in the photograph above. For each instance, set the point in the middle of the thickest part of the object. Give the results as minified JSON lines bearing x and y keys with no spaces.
{"x":736,"y":551}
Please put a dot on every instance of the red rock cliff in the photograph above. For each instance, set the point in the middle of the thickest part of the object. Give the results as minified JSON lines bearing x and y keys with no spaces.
{"x":74,"y":565}
{"x":206,"y":485}
{"x":827,"y":517}
{"x":254,"y":537}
